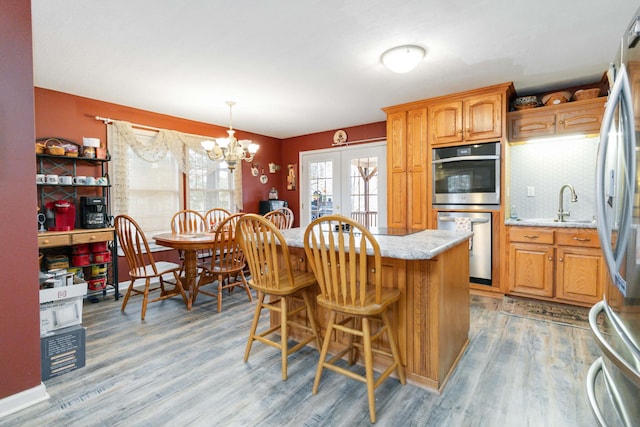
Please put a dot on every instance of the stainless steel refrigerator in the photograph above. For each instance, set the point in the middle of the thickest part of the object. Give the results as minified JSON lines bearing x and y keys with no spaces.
{"x":613,"y":380}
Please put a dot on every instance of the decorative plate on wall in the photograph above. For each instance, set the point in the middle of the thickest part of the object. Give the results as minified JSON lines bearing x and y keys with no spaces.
{"x":263,"y":178}
{"x":340,"y":137}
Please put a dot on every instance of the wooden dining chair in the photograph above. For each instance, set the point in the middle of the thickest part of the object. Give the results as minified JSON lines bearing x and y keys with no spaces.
{"x":345,"y":258}
{"x":278,"y":218}
{"x":289,"y":214}
{"x":228,"y":264}
{"x":215,"y":216}
{"x":188,"y":221}
{"x":272,"y":275}
{"x":142,"y":266}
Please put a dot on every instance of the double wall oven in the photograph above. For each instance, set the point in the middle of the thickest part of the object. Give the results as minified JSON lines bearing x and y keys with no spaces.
{"x":466,"y":188}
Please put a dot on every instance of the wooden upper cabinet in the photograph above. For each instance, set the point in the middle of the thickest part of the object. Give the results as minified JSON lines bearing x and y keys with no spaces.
{"x":396,"y":146}
{"x":446,"y":122}
{"x":483,"y":117}
{"x":470,"y":119}
{"x":562,"y":119}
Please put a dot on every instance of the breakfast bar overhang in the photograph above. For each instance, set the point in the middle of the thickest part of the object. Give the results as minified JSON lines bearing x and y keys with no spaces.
{"x":431,"y":270}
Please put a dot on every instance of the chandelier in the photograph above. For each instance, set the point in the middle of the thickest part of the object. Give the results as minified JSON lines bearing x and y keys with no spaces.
{"x":229,"y":149}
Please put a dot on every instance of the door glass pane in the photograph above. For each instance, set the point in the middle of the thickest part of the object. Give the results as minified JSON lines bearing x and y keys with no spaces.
{"x":321,"y":188}
{"x":363,"y":176}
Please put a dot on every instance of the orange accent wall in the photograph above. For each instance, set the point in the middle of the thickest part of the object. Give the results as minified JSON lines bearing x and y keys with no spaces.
{"x":69,"y":116}
{"x":19,"y":304}
{"x":292,"y":147}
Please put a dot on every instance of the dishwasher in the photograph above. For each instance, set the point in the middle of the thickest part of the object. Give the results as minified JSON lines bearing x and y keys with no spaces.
{"x":479,"y":245}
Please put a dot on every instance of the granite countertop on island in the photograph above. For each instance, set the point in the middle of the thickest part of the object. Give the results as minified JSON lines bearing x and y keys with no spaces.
{"x":420,"y":245}
{"x":547,"y":222}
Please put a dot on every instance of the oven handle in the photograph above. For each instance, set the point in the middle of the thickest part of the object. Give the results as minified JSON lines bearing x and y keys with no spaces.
{"x":452,"y":219}
{"x":463,"y":158}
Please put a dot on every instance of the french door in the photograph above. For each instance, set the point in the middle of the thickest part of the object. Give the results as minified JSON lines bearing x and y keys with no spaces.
{"x":350,"y":181}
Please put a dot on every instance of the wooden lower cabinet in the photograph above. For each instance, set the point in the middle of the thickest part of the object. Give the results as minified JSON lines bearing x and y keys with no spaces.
{"x":531,"y":269}
{"x":581,"y":274}
{"x":564,"y":264}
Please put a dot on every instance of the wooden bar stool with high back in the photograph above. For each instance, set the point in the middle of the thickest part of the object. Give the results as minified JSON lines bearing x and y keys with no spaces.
{"x":261,"y":242}
{"x":345,"y":258}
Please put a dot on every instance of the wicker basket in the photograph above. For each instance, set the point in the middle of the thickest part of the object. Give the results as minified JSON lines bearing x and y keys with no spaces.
{"x":556,"y":98}
{"x":40,"y":148}
{"x":583,"y":94}
{"x":54,"y":147}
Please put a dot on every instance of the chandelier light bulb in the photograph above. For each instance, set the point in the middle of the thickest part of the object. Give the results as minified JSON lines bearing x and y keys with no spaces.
{"x":403,"y":59}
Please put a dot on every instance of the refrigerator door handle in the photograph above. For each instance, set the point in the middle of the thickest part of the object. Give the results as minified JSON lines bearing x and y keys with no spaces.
{"x":596,"y":368}
{"x":620,"y":95}
{"x":592,"y":375}
{"x":611,"y":353}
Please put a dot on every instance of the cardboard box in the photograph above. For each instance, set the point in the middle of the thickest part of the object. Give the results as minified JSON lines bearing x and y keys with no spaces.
{"x":62,"y":351}
{"x":61,"y":307}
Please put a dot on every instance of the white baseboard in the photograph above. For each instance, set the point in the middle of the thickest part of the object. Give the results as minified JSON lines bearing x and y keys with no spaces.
{"x":23,"y":399}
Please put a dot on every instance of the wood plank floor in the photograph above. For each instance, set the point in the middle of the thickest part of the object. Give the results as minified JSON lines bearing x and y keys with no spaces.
{"x":182,"y":368}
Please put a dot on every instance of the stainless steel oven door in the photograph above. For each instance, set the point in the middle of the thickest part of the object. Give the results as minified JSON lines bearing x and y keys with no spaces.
{"x":466,"y":175}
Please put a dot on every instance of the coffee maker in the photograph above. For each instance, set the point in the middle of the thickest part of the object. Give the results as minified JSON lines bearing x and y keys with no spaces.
{"x":60,"y":215}
{"x":93,"y":212}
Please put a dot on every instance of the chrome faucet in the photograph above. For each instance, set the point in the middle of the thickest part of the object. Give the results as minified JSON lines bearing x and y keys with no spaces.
{"x":574,"y":198}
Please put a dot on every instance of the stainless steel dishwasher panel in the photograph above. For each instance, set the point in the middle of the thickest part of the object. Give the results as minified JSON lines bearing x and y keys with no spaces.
{"x":480,"y":246}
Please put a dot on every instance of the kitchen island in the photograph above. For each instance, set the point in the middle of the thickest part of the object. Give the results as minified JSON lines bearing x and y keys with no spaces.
{"x":431,"y":270}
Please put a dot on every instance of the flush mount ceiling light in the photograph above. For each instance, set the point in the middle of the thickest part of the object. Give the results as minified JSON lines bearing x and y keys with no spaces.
{"x":403,"y":59}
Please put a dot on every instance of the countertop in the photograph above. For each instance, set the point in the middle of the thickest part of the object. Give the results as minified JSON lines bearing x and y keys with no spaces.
{"x":540,"y":222}
{"x":424,"y":244}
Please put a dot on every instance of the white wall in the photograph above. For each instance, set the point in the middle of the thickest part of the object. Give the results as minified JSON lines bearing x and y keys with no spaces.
{"x":546,"y":166}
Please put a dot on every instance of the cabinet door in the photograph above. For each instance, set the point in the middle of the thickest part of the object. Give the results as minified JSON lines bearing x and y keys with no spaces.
{"x":584,"y":119}
{"x":396,"y":172}
{"x":417,"y":168}
{"x":483,"y":117}
{"x":580,"y":274}
{"x":446,"y":122}
{"x":397,"y":142}
{"x":531,"y":269}
{"x":531,"y":125}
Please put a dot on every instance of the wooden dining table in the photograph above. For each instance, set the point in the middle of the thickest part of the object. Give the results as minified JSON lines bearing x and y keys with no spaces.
{"x":190,"y":243}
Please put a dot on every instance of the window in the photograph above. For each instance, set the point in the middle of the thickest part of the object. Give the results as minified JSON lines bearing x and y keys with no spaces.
{"x":154,"y":188}
{"x":148,"y":176}
{"x":209,"y":188}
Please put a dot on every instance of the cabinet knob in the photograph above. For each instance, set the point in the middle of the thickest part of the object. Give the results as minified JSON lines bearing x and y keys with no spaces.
{"x":560,"y":259}
{"x":582,"y":239}
{"x":531,"y":236}
{"x":46,"y":241}
{"x":561,"y":122}
{"x":551,"y":258}
{"x":93,"y":237}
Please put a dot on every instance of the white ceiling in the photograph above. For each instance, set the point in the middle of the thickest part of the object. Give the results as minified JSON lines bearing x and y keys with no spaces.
{"x":296,"y":67}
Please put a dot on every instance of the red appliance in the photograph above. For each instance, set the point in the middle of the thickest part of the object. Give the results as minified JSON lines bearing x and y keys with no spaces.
{"x":64,"y":215}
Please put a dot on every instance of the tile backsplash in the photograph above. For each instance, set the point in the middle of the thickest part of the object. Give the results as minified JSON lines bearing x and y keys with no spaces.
{"x":544,"y":167}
